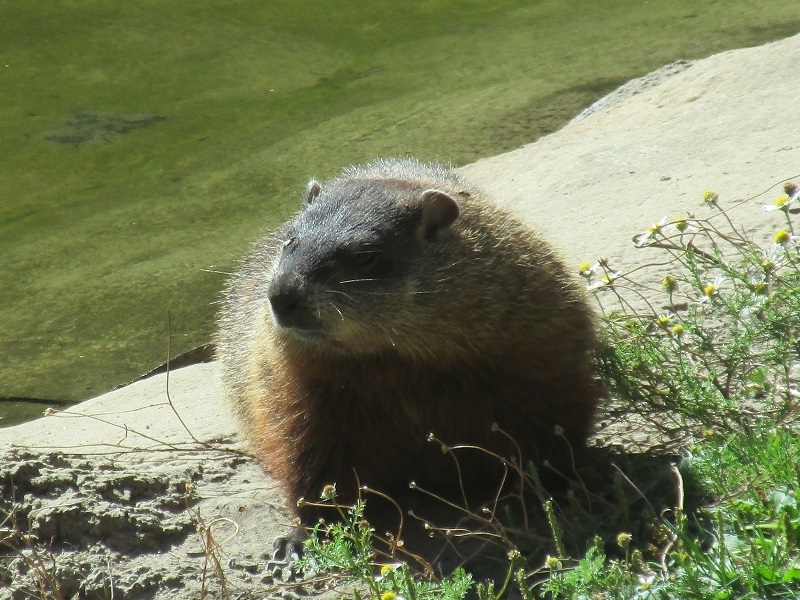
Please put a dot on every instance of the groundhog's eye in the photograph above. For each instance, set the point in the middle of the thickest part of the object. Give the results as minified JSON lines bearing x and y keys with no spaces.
{"x":365,"y":258}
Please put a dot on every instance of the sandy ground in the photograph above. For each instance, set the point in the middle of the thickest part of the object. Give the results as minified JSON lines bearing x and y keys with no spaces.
{"x":118,"y":486}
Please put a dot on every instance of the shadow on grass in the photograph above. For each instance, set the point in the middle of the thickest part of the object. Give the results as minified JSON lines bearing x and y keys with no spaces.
{"x":610,"y":492}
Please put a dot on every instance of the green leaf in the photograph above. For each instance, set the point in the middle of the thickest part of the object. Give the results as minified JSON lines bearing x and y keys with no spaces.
{"x":792,"y":574}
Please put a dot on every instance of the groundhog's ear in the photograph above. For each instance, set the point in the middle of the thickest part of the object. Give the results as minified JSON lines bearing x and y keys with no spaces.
{"x":439,"y":210}
{"x":312,"y":191}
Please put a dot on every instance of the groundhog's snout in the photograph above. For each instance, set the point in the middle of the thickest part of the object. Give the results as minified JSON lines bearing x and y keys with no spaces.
{"x":289,"y":305}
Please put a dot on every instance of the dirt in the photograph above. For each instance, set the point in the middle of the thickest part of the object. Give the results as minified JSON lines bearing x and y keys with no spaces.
{"x":122,"y":529}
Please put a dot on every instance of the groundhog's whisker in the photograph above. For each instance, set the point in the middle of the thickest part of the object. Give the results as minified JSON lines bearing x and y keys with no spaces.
{"x":452,"y":264}
{"x":361,"y":281}
{"x":448,"y":278}
{"x":228,"y":273}
{"x":403,"y":293}
{"x":343,"y":299}
{"x":336,"y":308}
{"x":345,"y":294}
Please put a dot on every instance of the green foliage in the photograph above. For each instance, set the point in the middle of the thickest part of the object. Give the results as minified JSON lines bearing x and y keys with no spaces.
{"x":755,"y":520}
{"x":719,"y":362}
{"x":593,"y":574}
{"x":346,"y":547}
{"x":724,"y":347}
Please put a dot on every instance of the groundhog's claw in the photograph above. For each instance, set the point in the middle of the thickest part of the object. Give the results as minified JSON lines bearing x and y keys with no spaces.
{"x":286,"y":553}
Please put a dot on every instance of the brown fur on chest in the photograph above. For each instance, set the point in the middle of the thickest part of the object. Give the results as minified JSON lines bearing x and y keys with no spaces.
{"x":368,"y":422}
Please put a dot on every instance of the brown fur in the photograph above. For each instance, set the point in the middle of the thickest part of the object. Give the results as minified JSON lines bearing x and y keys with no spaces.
{"x":410,"y":305}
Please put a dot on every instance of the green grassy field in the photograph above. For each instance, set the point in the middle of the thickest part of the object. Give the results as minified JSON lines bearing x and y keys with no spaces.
{"x":108,"y":231}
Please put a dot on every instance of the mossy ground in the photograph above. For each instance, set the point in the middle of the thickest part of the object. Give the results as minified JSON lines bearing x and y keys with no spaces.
{"x":105,"y":241}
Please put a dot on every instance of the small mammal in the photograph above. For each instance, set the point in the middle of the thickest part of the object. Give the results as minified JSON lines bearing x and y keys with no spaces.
{"x":401,"y":302}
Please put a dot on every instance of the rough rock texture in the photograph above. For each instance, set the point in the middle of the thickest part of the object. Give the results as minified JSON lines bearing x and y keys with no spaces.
{"x":123,"y":530}
{"x":83,"y":508}
{"x":121,"y":507}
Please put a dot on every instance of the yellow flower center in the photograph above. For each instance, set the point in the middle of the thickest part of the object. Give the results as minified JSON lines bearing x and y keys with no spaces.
{"x":328,"y":492}
{"x":782,"y":236}
{"x":386,"y":569}
{"x":551,"y":562}
{"x":710,"y":197}
{"x":624,"y":540}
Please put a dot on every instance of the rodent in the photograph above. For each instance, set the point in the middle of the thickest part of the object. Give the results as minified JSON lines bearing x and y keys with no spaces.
{"x":399,"y":302}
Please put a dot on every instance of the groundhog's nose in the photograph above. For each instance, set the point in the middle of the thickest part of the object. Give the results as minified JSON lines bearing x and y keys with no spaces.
{"x":289,"y":304}
{"x":285,"y":303}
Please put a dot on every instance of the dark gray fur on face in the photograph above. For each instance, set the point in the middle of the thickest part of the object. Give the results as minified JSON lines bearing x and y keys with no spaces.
{"x":355,"y":237}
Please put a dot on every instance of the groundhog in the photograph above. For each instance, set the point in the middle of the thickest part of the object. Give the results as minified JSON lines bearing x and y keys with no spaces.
{"x":398,"y":303}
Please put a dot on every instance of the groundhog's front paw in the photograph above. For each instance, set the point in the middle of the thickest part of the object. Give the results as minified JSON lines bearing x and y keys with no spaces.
{"x":286,"y":553}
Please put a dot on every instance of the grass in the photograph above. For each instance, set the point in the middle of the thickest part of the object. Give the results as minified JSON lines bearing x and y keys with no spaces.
{"x":101,"y":240}
{"x":346,"y":546}
{"x":711,"y":511}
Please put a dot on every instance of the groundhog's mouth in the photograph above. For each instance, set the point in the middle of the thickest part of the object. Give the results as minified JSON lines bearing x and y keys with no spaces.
{"x":313,"y":337}
{"x":309,"y":334}
{"x":306,"y":333}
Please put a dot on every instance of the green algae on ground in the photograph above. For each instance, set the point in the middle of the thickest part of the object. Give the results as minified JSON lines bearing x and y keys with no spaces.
{"x":105,"y":243}
{"x":84,"y":128}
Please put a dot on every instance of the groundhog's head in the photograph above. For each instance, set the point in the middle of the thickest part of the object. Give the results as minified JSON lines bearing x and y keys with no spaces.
{"x":361,"y":265}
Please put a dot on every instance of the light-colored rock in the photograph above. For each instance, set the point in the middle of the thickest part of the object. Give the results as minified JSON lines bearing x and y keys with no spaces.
{"x":728,"y":123}
{"x":134,"y":418}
